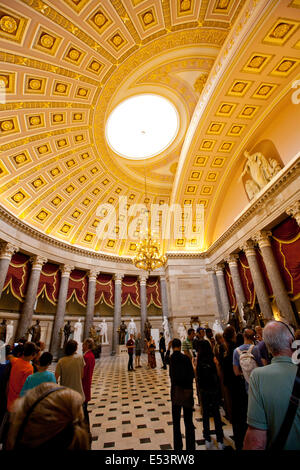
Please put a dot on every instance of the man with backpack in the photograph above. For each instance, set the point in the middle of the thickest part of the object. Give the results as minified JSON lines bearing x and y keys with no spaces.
{"x":246,"y":357}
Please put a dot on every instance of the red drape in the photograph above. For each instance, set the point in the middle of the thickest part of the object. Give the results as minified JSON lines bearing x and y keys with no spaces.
{"x":230,"y":289}
{"x":153,"y":292}
{"x":49,"y":282}
{"x":131,"y":290}
{"x":105,"y":287}
{"x":17,"y":275}
{"x":246,"y":279}
{"x":78,"y":286}
{"x":286,"y":248}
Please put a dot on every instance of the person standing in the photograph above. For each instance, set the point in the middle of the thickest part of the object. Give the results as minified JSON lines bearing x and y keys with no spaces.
{"x":151,"y":346}
{"x":89,"y":359}
{"x":138,"y":350}
{"x":162,"y":349}
{"x":42,"y":375}
{"x":69,"y":369}
{"x":270,"y":391}
{"x":182,"y":375}
{"x":130,"y":349}
{"x":187,"y":345}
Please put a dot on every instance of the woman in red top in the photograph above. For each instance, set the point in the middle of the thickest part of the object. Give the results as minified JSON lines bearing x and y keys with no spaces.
{"x":88,"y":370}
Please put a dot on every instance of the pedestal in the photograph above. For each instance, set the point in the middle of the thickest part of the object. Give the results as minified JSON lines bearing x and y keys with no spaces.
{"x":121,"y":350}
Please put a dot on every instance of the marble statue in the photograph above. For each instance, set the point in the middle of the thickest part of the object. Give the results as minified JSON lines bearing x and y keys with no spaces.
{"x":261,"y":170}
{"x":182,"y":333}
{"x":3,"y":329}
{"x":35,"y":332}
{"x":217,"y":327}
{"x":9,"y":332}
{"x":166,"y":329}
{"x":78,"y":331}
{"x":103,"y":332}
{"x":147,"y":330}
{"x":132,"y":329}
{"x":249,"y":315}
{"x":233,"y":320}
{"x":122,"y":332}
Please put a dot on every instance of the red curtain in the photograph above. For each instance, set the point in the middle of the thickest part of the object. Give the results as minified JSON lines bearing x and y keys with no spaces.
{"x":230,"y":289}
{"x":105,"y":287}
{"x":246,"y":278}
{"x":78,"y":286}
{"x":49,"y":282}
{"x":286,"y":248}
{"x":17,"y":275}
{"x":153,"y":292}
{"x":131,"y":291}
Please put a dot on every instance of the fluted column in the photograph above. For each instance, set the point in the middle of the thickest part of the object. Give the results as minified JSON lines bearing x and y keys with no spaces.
{"x":117,"y":311}
{"x":281,"y":296}
{"x":258,"y":281}
{"x":61,"y":309}
{"x":90,"y":302}
{"x":143,"y":298}
{"x":223,"y":292}
{"x":7,"y":250}
{"x":237,"y":284}
{"x":213,"y":275}
{"x":294,"y":211}
{"x":28,"y":306}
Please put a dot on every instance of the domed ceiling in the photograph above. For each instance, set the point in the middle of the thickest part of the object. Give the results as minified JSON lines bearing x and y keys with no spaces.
{"x":66,"y":65}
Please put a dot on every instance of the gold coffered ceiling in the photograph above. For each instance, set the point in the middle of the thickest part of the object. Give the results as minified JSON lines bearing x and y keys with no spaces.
{"x":67,"y":63}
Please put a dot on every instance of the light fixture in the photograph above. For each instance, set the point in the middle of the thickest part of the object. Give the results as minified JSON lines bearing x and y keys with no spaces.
{"x":148,"y":254}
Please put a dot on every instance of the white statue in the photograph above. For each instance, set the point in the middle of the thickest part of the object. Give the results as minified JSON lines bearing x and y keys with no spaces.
{"x":251,"y":188}
{"x":217,"y":327}
{"x":77,"y":331}
{"x":260,"y":169}
{"x":9,"y":331}
{"x":182,"y":332}
{"x":132,"y":329}
{"x":103,"y":331}
{"x":166,"y":329}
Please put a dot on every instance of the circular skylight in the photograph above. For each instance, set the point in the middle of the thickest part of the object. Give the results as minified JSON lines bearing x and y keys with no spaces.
{"x":142,"y":126}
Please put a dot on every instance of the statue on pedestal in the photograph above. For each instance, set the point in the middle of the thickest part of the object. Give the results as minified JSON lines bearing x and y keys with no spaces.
{"x":35,"y":332}
{"x":182,"y":333}
{"x":249,"y":315}
{"x":217,"y":327}
{"x":77,"y":331}
{"x":3,"y":328}
{"x":103,"y":332}
{"x":9,"y":331}
{"x":132,"y":329}
{"x":167,"y":335}
{"x":233,"y":321}
{"x":122,"y":332}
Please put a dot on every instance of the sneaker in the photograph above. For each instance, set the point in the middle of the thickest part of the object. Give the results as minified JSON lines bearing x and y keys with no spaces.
{"x":209,"y":445}
{"x":221,"y":446}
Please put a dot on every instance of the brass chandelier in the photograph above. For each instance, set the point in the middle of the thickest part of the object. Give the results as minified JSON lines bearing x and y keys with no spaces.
{"x":148,"y":254}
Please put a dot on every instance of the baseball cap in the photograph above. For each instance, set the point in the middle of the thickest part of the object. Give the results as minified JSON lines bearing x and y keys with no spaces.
{"x":200,"y":329}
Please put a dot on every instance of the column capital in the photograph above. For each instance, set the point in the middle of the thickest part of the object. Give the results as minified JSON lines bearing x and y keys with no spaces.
{"x":7,"y":250}
{"x":294,"y":211}
{"x":66,"y":269}
{"x":38,"y":262}
{"x":262,"y":238}
{"x":232,"y":259}
{"x":93,"y":273}
{"x":162,"y":277}
{"x":248,"y":248}
{"x":143,"y":279}
{"x":219,"y":269}
{"x":210,"y":270}
{"x":118,"y":278}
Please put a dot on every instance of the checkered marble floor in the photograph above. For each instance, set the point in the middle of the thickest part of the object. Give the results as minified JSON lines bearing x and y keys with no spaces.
{"x":132,"y":410}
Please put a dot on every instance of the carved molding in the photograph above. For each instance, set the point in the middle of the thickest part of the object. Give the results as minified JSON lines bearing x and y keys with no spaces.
{"x":232,"y":259}
{"x":294,"y":211}
{"x":118,"y":278}
{"x":37,"y":262}
{"x":7,"y":250}
{"x":66,"y":270}
{"x":262,"y":238}
{"x":93,"y":273}
{"x":248,"y":247}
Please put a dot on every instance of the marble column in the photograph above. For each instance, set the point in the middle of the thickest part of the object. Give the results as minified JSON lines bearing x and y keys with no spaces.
{"x":143,"y":299}
{"x":61,"y":309}
{"x":279,"y":291}
{"x":117,"y":312}
{"x":223,"y":292}
{"x":258,"y":281}
{"x":294,"y":211}
{"x":164,"y":301}
{"x":90,"y":302}
{"x":28,"y":306}
{"x":237,"y":284}
{"x":7,"y":250}
{"x":212,"y":273}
